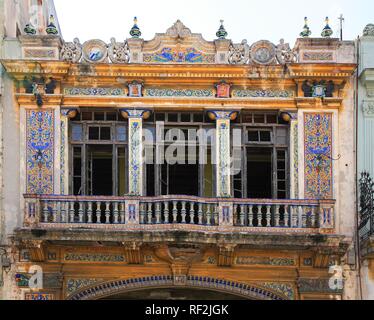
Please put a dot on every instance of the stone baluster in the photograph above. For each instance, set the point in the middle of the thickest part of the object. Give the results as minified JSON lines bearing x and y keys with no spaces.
{"x":300,"y":217}
{"x":58,"y":211}
{"x":208,"y":215}
{"x":215,"y":214}
{"x":158,"y":212}
{"x":183,"y":212}
{"x":115,"y":213}
{"x":45,"y":211}
{"x":54,"y":212}
{"x":192,"y":213}
{"x":89,"y":212}
{"x":166,"y":212}
{"x":242,"y":215}
{"x":143,"y":213}
{"x":175,"y":212}
{"x":81,"y":212}
{"x":260,"y":215}
{"x":98,"y":212}
{"x":250,"y":215}
{"x":277,"y":215}
{"x":149,"y":213}
{"x":268,"y":216}
{"x":64,"y":212}
{"x":294,"y":217}
{"x":122,"y":214}
{"x":286,"y":216}
{"x":200,"y":214}
{"x":71,"y":212}
{"x":107,"y":212}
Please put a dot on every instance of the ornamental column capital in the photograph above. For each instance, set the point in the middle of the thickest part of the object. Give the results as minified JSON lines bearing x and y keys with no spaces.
{"x":223,"y":115}
{"x":135,"y":113}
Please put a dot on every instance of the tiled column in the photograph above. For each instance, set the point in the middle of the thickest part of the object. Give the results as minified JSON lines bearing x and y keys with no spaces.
{"x":294,"y":157}
{"x":135,"y":147}
{"x":222,"y":150}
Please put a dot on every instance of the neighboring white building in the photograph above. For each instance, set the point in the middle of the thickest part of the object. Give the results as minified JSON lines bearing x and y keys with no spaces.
{"x":365,"y":164}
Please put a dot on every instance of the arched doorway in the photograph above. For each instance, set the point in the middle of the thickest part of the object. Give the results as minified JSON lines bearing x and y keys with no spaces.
{"x":191,"y":287}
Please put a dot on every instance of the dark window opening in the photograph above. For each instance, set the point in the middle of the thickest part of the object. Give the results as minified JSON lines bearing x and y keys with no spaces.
{"x":259,"y":173}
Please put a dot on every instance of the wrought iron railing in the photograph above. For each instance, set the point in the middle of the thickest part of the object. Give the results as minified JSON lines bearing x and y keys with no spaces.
{"x":151,"y":213}
{"x":366,"y":212}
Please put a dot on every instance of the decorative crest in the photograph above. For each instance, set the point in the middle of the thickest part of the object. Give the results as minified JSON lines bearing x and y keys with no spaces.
{"x":306,"y":31}
{"x":29,"y":29}
{"x":221,"y":33}
{"x":178,"y":30}
{"x":72,"y":51}
{"x":327,"y":31}
{"x":51,"y":28}
{"x":135,"y":31}
{"x":118,"y":52}
{"x":239,"y":53}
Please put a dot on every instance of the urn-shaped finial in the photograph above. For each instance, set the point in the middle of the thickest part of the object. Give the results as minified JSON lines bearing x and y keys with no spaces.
{"x":29,"y":29}
{"x":51,"y":28}
{"x":306,"y":31}
{"x":327,"y":31}
{"x":221,"y":33}
{"x":135,"y":31}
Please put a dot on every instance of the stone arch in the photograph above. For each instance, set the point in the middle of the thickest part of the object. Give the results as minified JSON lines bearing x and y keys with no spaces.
{"x":114,"y":287}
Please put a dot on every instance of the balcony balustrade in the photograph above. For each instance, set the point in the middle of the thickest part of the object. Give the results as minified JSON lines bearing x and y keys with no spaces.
{"x":192,"y":213}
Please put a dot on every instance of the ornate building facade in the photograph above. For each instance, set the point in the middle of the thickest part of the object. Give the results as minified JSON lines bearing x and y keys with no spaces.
{"x":99,"y":200}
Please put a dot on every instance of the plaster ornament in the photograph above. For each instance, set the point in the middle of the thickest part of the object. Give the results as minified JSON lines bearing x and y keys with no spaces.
{"x":95,"y":51}
{"x":72,"y":51}
{"x":178,"y":30}
{"x":284,"y":53}
{"x":221,"y":33}
{"x":327,"y":31}
{"x":239,"y":53}
{"x":306,"y":30}
{"x":369,"y":30}
{"x":263,"y":52}
{"x":135,"y":31}
{"x":118,"y":52}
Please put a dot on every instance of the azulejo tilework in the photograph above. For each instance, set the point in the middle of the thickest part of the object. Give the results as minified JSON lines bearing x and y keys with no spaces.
{"x":198,"y":93}
{"x":223,"y":173}
{"x":282,"y":288}
{"x":76,"y":91}
{"x":241,"y":289}
{"x":178,"y":55}
{"x":318,"y":155}
{"x":261,"y":93}
{"x":39,"y":296}
{"x":135,"y":155}
{"x":271,"y":261}
{"x":39,"y":152}
{"x":73,"y":285}
{"x":90,"y":257}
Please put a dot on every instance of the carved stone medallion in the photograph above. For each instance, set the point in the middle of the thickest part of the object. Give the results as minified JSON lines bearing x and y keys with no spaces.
{"x":263,"y":52}
{"x":95,"y":51}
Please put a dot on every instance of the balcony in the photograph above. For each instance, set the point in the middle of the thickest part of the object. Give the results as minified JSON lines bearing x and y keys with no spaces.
{"x":179,"y":213}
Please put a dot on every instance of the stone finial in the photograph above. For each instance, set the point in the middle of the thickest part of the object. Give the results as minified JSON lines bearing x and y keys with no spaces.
{"x":29,"y":29}
{"x":327,"y":31}
{"x":51,"y":28}
{"x":135,"y":31}
{"x":306,"y":30}
{"x":221,"y":33}
{"x":369,"y":30}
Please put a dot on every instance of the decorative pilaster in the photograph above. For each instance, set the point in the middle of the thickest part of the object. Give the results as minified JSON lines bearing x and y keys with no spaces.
{"x":223,"y":172}
{"x":66,"y":114}
{"x":294,"y":152}
{"x":135,"y":147}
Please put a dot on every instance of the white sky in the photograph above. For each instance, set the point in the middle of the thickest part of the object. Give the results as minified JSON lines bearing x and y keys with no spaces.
{"x":244,"y":19}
